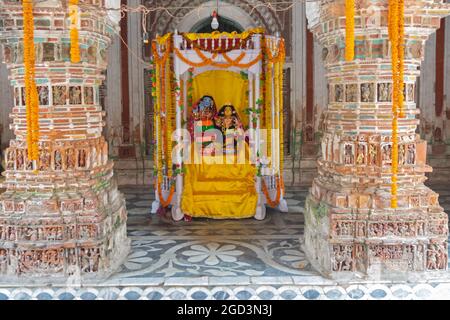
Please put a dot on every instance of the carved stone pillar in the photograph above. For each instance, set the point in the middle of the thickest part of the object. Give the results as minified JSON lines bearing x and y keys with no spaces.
{"x":68,"y":218}
{"x":350,"y":226}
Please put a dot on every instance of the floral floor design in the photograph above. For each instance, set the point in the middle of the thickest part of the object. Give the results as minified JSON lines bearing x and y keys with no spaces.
{"x":204,"y":247}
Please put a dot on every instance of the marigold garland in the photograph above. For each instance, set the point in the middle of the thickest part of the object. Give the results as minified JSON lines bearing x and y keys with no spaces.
{"x":164,"y":116}
{"x":74,"y":35}
{"x":349,"y":30}
{"x":31,"y":94}
{"x":281,"y":54}
{"x":272,"y":203}
{"x":208,"y":61}
{"x":217,"y":35}
{"x":169,"y":111}
{"x":168,"y":201}
{"x":397,"y":38}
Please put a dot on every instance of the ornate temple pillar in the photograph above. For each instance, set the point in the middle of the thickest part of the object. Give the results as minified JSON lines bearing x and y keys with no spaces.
{"x":351,"y":229}
{"x":68,"y":218}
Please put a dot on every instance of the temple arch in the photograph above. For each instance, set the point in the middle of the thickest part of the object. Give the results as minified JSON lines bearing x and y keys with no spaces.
{"x":193,"y":21}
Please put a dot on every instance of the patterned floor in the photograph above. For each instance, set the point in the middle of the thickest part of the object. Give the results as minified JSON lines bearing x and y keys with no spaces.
{"x":210,"y":259}
{"x":203,"y":247}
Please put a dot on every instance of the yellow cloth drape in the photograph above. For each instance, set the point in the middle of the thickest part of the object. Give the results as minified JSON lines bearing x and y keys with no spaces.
{"x":219,"y":191}
{"x":225,"y":87}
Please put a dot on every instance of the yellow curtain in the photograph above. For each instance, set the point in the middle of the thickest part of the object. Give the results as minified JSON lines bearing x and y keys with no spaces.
{"x":225,"y":87}
{"x":219,"y":191}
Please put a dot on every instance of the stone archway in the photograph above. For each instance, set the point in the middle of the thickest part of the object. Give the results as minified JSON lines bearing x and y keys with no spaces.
{"x":233,"y":13}
{"x":184,"y":19}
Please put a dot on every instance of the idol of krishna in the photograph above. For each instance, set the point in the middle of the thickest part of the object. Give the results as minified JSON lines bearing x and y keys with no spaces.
{"x":226,"y":163}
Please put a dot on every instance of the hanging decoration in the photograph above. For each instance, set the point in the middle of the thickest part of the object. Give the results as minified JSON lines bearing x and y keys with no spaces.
{"x":275,"y":55}
{"x":349,"y":30}
{"x":31,"y":99}
{"x":74,"y":35}
{"x":164,"y":114}
{"x":220,"y":35}
{"x":205,"y":61}
{"x":397,"y":38}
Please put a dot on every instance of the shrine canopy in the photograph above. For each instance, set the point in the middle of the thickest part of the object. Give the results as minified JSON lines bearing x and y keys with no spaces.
{"x":242,"y":70}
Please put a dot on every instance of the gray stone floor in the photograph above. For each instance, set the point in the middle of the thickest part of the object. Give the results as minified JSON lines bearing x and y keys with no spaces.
{"x":225,"y":259}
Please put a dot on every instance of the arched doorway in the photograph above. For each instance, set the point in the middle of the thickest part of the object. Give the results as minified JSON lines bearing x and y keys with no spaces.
{"x":225,"y":25}
{"x":231,"y":18}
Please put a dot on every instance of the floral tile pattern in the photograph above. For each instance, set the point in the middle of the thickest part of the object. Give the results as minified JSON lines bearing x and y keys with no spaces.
{"x":227,"y":259}
{"x":205,"y":247}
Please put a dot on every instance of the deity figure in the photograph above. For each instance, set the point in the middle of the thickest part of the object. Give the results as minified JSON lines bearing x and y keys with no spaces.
{"x":202,"y":120}
{"x":59,"y":95}
{"x":348,"y":154}
{"x":7,"y":53}
{"x":88,"y":95}
{"x":45,"y":160}
{"x":373,"y":154}
{"x":10,"y":162}
{"x":339,"y":93}
{"x":19,"y":160}
{"x":82,"y":158}
{"x":432,"y":258}
{"x":401,"y":154}
{"x":58,"y":160}
{"x":228,"y":122}
{"x":70,"y":159}
{"x":43,"y":95}
{"x":384,"y":92}
{"x":3,"y":261}
{"x":351,"y":93}
{"x":367,"y":92}
{"x":411,"y":156}
{"x":75,"y":95}
{"x":48,"y":52}
{"x":92,"y":54}
{"x":387,"y":153}
{"x":410,"y":92}
{"x":17,"y":96}
{"x":22,"y":96}
{"x":360,"y":159}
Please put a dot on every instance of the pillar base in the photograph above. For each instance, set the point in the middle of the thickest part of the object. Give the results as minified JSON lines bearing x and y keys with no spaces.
{"x":62,"y":236}
{"x":405,"y":244}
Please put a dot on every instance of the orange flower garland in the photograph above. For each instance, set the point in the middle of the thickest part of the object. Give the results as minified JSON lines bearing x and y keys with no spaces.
{"x":74,"y":36}
{"x":169,"y":110}
{"x":397,"y":38}
{"x":270,"y":202}
{"x":207,"y":61}
{"x":164,"y":114}
{"x":31,"y":99}
{"x":349,"y":30}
